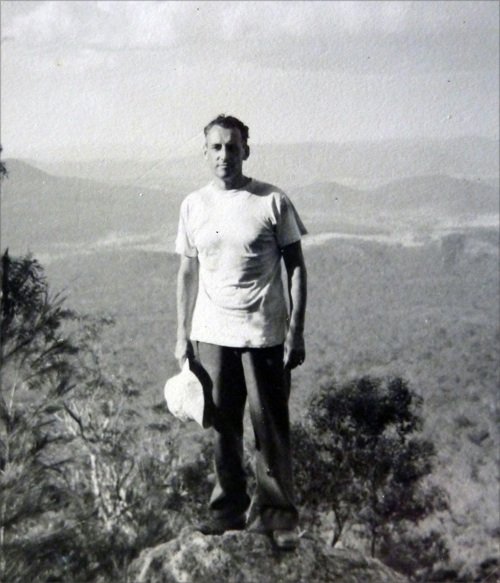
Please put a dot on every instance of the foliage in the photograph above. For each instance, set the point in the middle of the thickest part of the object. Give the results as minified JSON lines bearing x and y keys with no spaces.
{"x":417,"y":554}
{"x":85,"y":481}
{"x":3,"y":168}
{"x":37,"y":364}
{"x":129,"y":482}
{"x":359,"y":456}
{"x":119,"y":480}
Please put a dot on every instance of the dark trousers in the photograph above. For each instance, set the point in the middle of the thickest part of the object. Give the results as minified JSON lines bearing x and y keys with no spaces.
{"x":256,"y":373}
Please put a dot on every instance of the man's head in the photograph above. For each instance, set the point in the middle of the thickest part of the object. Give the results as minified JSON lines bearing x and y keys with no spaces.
{"x":229,"y":122}
{"x":226,"y":148}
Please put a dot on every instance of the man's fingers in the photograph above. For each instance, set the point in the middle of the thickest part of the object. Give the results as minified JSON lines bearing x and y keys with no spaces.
{"x":183,"y":352}
{"x":294,"y":358}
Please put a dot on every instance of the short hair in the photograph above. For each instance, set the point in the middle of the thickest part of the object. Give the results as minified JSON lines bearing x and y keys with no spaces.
{"x":228,"y":122}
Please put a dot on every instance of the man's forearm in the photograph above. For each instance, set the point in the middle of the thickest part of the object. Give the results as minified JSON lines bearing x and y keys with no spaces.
{"x":187,"y":291}
{"x":297,"y":285}
{"x":294,"y":349}
{"x":297,"y":281}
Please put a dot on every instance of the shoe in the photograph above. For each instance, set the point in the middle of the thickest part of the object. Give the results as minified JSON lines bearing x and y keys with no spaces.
{"x":214,"y":526}
{"x":287,"y":540}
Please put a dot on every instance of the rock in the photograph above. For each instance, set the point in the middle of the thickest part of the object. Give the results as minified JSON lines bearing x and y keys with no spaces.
{"x":243,"y":557}
{"x":477,"y":437}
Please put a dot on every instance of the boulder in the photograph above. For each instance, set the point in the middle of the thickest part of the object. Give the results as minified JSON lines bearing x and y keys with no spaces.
{"x":243,"y":557}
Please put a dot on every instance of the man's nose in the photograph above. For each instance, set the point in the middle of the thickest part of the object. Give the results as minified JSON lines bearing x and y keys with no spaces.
{"x":224,"y":153}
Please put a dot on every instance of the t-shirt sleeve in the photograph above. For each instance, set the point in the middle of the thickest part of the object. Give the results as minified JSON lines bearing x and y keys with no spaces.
{"x":289,"y":225}
{"x":184,"y":244}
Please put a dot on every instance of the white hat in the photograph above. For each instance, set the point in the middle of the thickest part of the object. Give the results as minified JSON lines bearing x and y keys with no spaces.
{"x":185,"y":397}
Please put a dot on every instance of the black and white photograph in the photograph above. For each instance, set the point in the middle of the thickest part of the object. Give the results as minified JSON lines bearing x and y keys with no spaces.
{"x":250,"y":298}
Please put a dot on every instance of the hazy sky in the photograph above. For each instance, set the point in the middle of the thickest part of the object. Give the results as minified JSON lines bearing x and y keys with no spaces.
{"x":89,"y":79}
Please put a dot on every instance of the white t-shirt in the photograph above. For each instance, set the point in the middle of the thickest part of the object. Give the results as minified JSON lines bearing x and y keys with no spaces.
{"x":237,"y":236}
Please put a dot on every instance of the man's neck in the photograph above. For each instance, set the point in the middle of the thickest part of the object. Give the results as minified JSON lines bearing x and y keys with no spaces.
{"x":231,"y":184}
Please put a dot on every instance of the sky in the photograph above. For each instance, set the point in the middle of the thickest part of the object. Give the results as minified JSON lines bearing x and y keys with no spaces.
{"x":83,"y":80}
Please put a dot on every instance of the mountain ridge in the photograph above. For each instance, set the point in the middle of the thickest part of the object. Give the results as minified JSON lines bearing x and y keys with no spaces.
{"x":356,"y":163}
{"x":40,"y":209}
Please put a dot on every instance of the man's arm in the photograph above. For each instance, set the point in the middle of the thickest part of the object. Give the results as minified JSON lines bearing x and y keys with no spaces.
{"x":295,"y":352}
{"x":187,"y":291}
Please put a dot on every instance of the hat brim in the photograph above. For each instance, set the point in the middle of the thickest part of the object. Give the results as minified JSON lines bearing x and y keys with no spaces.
{"x":188,"y":396}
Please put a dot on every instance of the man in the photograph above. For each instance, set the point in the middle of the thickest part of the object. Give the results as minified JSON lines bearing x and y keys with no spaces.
{"x":233,"y":321}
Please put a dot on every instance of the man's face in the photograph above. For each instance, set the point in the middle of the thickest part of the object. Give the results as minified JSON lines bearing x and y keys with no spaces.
{"x":225,"y":152}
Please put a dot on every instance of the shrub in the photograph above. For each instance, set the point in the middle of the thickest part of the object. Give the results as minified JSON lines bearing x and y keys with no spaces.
{"x":358,"y":455}
{"x":37,"y":366}
{"x":85,"y":482}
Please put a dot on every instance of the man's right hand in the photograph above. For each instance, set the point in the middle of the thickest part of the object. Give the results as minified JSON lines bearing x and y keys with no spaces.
{"x":183,"y":350}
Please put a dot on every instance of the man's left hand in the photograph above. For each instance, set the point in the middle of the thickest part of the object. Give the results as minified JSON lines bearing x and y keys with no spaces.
{"x":295,"y":350}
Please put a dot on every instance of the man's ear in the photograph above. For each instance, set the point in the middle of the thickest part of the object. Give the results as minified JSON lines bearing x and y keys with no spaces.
{"x":246,"y":152}
{"x":205,"y":151}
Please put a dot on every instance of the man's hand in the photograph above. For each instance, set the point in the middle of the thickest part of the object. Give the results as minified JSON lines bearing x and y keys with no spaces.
{"x":295,"y":350}
{"x":183,"y":350}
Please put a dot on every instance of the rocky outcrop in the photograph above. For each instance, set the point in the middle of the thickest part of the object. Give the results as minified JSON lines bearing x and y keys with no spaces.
{"x":242,"y":557}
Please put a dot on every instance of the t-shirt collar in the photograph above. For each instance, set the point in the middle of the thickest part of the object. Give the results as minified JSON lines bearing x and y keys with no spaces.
{"x":244,"y":188}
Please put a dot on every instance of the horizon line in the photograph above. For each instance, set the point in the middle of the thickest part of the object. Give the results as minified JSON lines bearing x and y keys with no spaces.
{"x":149,"y":157}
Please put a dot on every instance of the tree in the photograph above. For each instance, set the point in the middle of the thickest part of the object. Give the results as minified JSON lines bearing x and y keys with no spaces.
{"x":360,"y":455}
{"x":3,"y":169}
{"x":126,"y":484}
{"x":87,"y":478}
{"x":37,"y":365}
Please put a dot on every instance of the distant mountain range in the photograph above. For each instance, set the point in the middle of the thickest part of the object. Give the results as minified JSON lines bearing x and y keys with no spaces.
{"x":420,"y":201}
{"x":41,"y":211}
{"x":356,"y":164}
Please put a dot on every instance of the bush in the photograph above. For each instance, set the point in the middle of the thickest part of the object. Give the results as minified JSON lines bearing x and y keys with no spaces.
{"x":37,"y":365}
{"x":359,"y":455}
{"x":86,"y":482}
